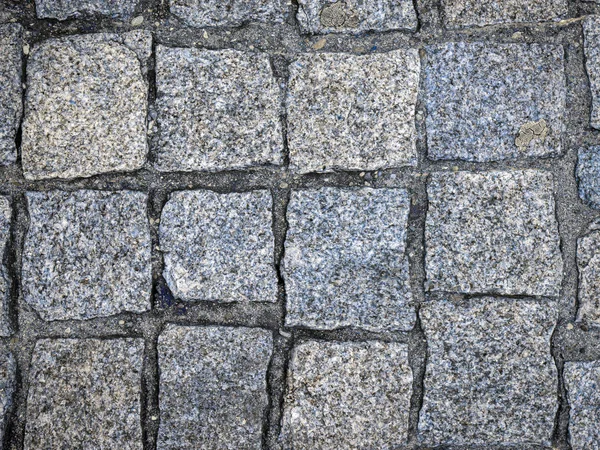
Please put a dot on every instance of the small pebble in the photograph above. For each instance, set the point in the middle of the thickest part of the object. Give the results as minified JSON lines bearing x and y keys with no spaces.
{"x":137,"y":21}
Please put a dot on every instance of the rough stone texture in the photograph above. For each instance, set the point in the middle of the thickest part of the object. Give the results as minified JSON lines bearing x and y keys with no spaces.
{"x":490,"y":377}
{"x":347,"y":396}
{"x":5,"y":219}
{"x":363,"y":105}
{"x":591,"y":42}
{"x":64,"y":9}
{"x":588,"y":175}
{"x":588,"y":264}
{"x":581,"y":381}
{"x":493,"y":232}
{"x":87,"y":254}
{"x":219,"y":247}
{"x":8,"y":374}
{"x":345,"y":261}
{"x":355,"y":16}
{"x":229,"y":13}
{"x":467,"y":13}
{"x":479,"y":96}
{"x":85,"y":108}
{"x":213,"y":390}
{"x":85,"y":393}
{"x":11,"y":104}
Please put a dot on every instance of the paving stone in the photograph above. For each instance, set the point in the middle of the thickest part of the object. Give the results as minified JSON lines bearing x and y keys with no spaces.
{"x":588,"y":264}
{"x":85,"y":393}
{"x":582,"y":380}
{"x":219,"y":247}
{"x":5,"y":218}
{"x":347,"y":395}
{"x":493,"y":232}
{"x":8,"y":374}
{"x":217,"y":110}
{"x":591,"y":41}
{"x":588,"y":175}
{"x":213,"y":391}
{"x":85,"y":108}
{"x":491,"y":102}
{"x":345,"y":259}
{"x":355,"y":16}
{"x":229,"y":13}
{"x":364,"y":105}
{"x":87,"y":254}
{"x":11,"y":104}
{"x":490,"y":377}
{"x":65,"y":9}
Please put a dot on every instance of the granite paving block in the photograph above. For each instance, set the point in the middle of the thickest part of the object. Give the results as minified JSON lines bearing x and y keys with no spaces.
{"x":352,"y":112}
{"x":490,"y":376}
{"x":588,"y":265}
{"x":85,"y":393}
{"x":11,"y":103}
{"x":213,"y":391}
{"x":229,"y":13}
{"x":491,"y":102}
{"x":66,"y":9}
{"x":85,"y":106}
{"x":219,"y":247}
{"x":591,"y":41}
{"x":493,"y":232}
{"x":8,"y":381}
{"x":87,"y":254}
{"x":355,"y":16}
{"x":347,"y":396}
{"x":345,"y":260}
{"x":5,"y":283}
{"x":582,"y":379}
{"x":588,"y":175}
{"x":217,"y":110}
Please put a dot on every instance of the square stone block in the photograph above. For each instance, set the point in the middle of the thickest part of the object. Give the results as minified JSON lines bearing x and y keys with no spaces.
{"x":85,"y":393}
{"x":591,"y":40}
{"x":5,"y":283}
{"x":582,"y":379}
{"x":493,"y":232}
{"x":588,"y":265}
{"x":11,"y":103}
{"x":352,"y":112}
{"x":219,"y":247}
{"x":219,"y":13}
{"x":8,"y":382}
{"x":490,"y":377}
{"x":65,"y":9}
{"x":347,"y":396}
{"x":213,"y":387}
{"x":217,"y":110}
{"x":491,"y":102}
{"x":87,"y":254}
{"x":345,"y":260}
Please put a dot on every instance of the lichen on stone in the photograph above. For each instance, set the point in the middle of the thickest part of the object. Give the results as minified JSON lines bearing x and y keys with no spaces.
{"x":530,"y":131}
{"x":337,"y":15}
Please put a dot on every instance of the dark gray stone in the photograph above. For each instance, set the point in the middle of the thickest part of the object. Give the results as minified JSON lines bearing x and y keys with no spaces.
{"x":11,"y":104}
{"x":229,"y":13}
{"x":581,"y":381}
{"x":64,"y":9}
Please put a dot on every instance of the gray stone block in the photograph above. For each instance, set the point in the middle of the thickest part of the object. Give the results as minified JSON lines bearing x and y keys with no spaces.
{"x":352,"y":112}
{"x":345,"y":260}
{"x":491,"y":102}
{"x":588,"y":175}
{"x":11,"y":103}
{"x":582,"y":379}
{"x":591,"y":41}
{"x":229,"y":13}
{"x":8,"y":382}
{"x":87,"y":254}
{"x":65,"y":9}
{"x":588,"y":263}
{"x":213,"y":391}
{"x":217,"y":110}
{"x":347,"y":396}
{"x":493,"y":232}
{"x":5,"y":219}
{"x":490,"y":377}
{"x":85,"y":393}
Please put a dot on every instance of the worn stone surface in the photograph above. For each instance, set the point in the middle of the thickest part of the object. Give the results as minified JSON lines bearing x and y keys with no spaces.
{"x":364,"y":105}
{"x":347,"y":395}
{"x":85,"y":393}
{"x":11,"y":104}
{"x":5,"y":283}
{"x":591,"y":42}
{"x":355,"y":16}
{"x":64,"y":9}
{"x":588,"y":265}
{"x":87,"y":254}
{"x":345,"y":262}
{"x":588,"y":175}
{"x":479,"y":96}
{"x":219,"y":247}
{"x":217,"y":110}
{"x":85,"y":106}
{"x":229,"y":13}
{"x":213,"y":389}
{"x":8,"y":374}
{"x":493,"y":232}
{"x":581,"y":381}
{"x":490,"y":377}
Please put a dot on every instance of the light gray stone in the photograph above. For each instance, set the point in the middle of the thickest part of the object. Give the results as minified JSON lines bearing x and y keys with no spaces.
{"x":5,"y":218}
{"x":493,"y":232}
{"x":213,"y":388}
{"x":8,"y":375}
{"x":588,"y":175}
{"x":484,"y":99}
{"x":217,"y":110}
{"x":352,"y":112}
{"x":64,"y":9}
{"x":347,"y":396}
{"x":87,"y":254}
{"x":591,"y":41}
{"x":490,"y":377}
{"x":11,"y":104}
{"x":355,"y":16}
{"x":345,"y":259}
{"x":582,"y":379}
{"x":229,"y":13}
{"x":219,"y":247}
{"x":85,"y":393}
{"x":85,"y":107}
{"x":588,"y":264}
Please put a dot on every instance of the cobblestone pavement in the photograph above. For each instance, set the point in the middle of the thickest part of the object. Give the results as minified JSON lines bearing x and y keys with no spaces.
{"x":304,"y":224}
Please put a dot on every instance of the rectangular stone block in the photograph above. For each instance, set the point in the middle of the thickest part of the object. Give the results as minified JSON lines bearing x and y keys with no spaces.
{"x":8,"y":382}
{"x":588,"y":264}
{"x":229,"y":13}
{"x":345,"y":260}
{"x":493,"y":232}
{"x":582,"y":379}
{"x":591,"y":41}
{"x":11,"y":104}
{"x":213,"y":387}
{"x":217,"y":110}
{"x":65,"y":9}
{"x":5,"y":282}
{"x":352,"y":395}
{"x":87,"y":254}
{"x":352,"y":112}
{"x":85,"y":393}
{"x":588,"y":175}
{"x":490,"y":377}
{"x":491,"y":102}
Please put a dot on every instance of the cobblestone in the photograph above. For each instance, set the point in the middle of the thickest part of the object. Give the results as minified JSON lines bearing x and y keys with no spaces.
{"x":230,"y":13}
{"x":65,"y":9}
{"x":11,"y":104}
{"x":591,"y":33}
{"x":8,"y":374}
{"x":588,"y":264}
{"x":581,"y":381}
{"x":5,"y":219}
{"x":588,"y":175}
